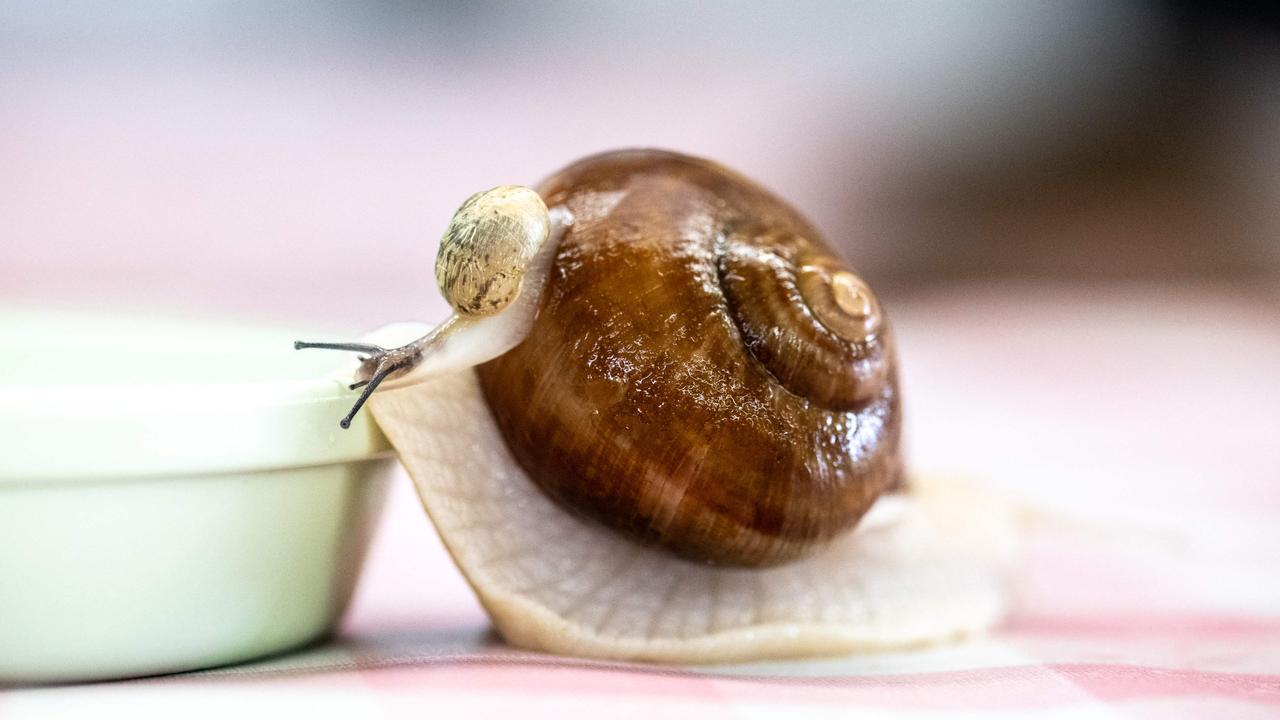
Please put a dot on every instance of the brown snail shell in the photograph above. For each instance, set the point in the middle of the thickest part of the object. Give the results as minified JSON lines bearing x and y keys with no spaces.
{"x":704,"y":374}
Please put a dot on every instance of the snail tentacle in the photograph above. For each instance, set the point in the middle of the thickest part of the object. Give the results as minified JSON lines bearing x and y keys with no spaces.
{"x":384,"y":369}
{"x":351,"y":347}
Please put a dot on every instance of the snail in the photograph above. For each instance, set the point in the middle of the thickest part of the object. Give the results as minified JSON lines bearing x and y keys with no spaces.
{"x":663,"y":423}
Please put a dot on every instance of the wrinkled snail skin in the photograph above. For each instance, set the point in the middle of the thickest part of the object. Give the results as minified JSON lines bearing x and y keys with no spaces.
{"x":704,"y":374}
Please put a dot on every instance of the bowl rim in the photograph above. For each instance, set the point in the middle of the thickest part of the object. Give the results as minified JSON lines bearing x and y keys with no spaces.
{"x":102,"y":430}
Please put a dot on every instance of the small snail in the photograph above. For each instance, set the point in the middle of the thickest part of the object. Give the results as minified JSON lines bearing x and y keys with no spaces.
{"x":491,"y":267}
{"x":683,"y":404}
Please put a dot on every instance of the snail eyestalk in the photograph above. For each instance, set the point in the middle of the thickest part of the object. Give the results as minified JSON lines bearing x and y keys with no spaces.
{"x":384,"y":369}
{"x":352,"y":347}
{"x":384,"y":362}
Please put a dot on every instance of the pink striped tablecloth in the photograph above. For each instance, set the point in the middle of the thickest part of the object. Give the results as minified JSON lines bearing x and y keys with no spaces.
{"x":1140,"y":431}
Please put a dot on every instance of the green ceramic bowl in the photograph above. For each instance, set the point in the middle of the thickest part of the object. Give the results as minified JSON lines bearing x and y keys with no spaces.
{"x":173,"y":495}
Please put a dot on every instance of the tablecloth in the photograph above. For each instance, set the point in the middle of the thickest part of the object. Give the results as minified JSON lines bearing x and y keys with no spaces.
{"x":1135,"y":429}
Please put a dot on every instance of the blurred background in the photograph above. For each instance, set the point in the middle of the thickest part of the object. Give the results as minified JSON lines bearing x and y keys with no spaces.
{"x":298,"y":160}
{"x":1071,"y":209}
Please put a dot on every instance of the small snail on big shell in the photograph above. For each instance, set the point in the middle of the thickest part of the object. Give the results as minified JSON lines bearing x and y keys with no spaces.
{"x":663,"y":423}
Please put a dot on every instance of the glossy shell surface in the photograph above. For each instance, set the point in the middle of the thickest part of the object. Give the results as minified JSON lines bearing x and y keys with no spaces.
{"x":704,"y":374}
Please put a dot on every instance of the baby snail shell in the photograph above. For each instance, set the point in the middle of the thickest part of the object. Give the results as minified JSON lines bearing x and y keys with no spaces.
{"x":488,"y":247}
{"x":704,"y":374}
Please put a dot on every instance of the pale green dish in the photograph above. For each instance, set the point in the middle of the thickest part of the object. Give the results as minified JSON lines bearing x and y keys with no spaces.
{"x":173,"y":495}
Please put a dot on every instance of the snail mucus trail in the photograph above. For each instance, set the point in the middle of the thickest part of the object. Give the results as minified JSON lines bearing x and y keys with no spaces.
{"x":700,"y":372}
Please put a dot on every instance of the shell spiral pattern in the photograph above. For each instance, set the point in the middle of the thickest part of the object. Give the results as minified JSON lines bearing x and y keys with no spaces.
{"x":704,"y":374}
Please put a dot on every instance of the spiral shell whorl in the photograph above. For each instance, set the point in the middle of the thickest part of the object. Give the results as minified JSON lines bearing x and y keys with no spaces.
{"x":679,"y":386}
{"x":487,"y":247}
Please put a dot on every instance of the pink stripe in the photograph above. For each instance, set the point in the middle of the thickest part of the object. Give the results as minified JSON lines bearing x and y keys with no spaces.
{"x":1031,"y":686}
{"x":999,"y":688}
{"x":1137,"y":625}
{"x":1125,"y":682}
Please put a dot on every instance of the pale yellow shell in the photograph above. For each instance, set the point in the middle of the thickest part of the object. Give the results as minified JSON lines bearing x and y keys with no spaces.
{"x":488,"y":246}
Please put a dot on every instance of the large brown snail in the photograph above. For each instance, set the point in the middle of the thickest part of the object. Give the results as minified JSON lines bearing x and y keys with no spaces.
{"x":682,"y":411}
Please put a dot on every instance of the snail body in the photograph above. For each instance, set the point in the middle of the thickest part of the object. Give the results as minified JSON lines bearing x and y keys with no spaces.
{"x":667,"y":364}
{"x":696,"y":377}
